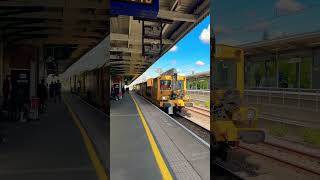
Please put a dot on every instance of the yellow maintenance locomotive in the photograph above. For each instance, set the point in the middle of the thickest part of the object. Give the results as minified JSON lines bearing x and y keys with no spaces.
{"x":168,"y":91}
{"x":231,"y":119}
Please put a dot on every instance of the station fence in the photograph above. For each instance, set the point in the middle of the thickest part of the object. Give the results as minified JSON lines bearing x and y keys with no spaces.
{"x":304,"y":99}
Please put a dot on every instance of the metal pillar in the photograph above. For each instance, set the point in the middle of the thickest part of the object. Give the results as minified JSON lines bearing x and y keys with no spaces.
{"x":2,"y":75}
{"x":33,"y":78}
{"x":277,"y":64}
{"x":42,"y":65}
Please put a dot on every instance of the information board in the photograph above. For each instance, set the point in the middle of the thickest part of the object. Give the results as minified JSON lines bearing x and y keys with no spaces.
{"x":136,"y":8}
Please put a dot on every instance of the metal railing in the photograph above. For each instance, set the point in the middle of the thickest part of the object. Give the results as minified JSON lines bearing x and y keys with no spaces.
{"x":306,"y":99}
{"x":199,"y":95}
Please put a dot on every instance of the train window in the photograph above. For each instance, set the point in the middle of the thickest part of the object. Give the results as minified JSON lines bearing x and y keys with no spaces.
{"x":165,"y":84}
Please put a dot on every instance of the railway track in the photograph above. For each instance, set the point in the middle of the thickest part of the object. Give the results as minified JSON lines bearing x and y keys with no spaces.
{"x":290,"y":157}
{"x":199,"y":110}
{"x":287,"y":156}
{"x":220,"y":171}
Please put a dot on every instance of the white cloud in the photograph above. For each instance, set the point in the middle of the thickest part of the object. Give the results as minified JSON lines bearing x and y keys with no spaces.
{"x":173,"y":62}
{"x":289,"y":6}
{"x":205,"y":35}
{"x":200,"y":63}
{"x":174,"y":49}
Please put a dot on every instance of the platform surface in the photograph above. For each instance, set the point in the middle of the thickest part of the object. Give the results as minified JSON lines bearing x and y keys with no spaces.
{"x":187,"y":156}
{"x":96,"y":124}
{"x":49,"y":149}
{"x":131,"y":155}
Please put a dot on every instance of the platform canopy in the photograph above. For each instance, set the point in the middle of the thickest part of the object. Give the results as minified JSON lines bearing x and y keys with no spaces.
{"x":306,"y":40}
{"x":178,"y":17}
{"x":67,"y":27}
{"x":94,"y":59}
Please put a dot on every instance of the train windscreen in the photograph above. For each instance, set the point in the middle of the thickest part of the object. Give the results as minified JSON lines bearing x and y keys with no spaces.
{"x":165,"y":85}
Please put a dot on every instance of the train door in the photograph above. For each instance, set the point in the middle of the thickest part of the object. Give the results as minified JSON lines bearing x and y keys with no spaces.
{"x":154,"y":92}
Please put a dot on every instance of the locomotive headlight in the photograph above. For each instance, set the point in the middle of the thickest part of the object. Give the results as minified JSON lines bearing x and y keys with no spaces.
{"x":251,"y":114}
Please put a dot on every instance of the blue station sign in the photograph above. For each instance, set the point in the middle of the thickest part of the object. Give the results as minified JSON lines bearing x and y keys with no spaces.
{"x":138,"y":8}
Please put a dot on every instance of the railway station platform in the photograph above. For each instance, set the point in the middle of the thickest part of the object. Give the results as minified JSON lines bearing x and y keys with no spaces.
{"x":54,"y":147}
{"x":142,"y":135}
{"x":50,"y":148}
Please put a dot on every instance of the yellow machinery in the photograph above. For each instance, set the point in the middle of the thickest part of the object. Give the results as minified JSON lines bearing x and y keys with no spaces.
{"x":168,"y":91}
{"x":232,"y":120}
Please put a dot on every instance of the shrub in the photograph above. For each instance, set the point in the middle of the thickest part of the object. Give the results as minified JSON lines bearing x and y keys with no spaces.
{"x":311,"y":136}
{"x":207,"y":104}
{"x":279,"y":131}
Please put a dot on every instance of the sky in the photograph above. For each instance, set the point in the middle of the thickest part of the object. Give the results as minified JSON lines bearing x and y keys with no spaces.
{"x":250,"y":19}
{"x":190,"y":54}
{"x":237,"y":22}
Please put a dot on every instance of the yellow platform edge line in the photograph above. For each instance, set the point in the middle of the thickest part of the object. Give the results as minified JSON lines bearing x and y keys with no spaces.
{"x":100,"y":170}
{"x":166,"y":175}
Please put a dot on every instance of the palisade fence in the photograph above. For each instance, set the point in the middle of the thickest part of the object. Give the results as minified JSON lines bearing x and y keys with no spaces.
{"x":199,"y":95}
{"x":304,"y":99}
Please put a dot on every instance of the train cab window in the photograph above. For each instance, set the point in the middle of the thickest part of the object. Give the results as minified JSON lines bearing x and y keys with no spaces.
{"x":180,"y":84}
{"x":226,"y":75}
{"x":165,"y":84}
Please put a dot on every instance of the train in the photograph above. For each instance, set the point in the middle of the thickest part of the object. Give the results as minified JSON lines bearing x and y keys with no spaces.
{"x":231,"y":120}
{"x":93,"y":86}
{"x":167,"y":91}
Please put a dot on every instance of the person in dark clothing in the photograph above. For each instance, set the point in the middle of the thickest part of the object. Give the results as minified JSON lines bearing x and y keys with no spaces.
{"x":42,"y":95}
{"x":51,"y":90}
{"x":78,"y":88}
{"x":6,"y":90}
{"x":58,"y":91}
{"x":123,"y":91}
{"x":19,"y":101}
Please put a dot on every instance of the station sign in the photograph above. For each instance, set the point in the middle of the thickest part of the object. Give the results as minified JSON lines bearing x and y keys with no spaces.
{"x":139,"y":1}
{"x":137,"y":8}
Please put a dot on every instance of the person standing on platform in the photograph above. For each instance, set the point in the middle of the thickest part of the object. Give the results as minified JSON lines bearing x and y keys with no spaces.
{"x":6,"y":90}
{"x":112,"y":92}
{"x":19,"y":101}
{"x":51,"y":90}
{"x":58,"y":91}
{"x":78,"y":87}
{"x":42,"y":95}
{"x":123,"y":91}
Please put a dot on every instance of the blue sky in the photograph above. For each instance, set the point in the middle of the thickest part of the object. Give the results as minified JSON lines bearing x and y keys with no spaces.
{"x":249,"y":19}
{"x":191,"y":53}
